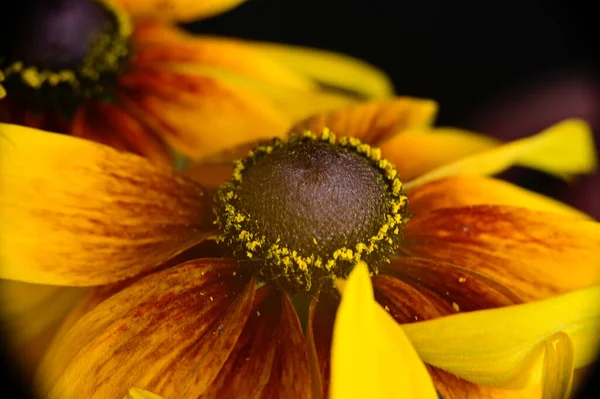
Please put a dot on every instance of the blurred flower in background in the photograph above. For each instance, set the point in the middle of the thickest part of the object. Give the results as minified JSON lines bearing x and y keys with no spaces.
{"x":120,"y":73}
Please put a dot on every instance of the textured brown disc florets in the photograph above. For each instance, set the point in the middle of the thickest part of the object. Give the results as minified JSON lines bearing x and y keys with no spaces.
{"x":304,"y":212}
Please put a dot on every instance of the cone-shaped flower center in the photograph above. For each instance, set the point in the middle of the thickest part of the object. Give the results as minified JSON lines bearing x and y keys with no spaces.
{"x":304,"y":212}
{"x":60,"y":52}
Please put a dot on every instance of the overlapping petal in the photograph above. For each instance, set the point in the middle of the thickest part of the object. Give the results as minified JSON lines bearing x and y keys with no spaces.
{"x":460,"y":191}
{"x":170,"y":333}
{"x":136,"y":393}
{"x":79,"y":213}
{"x":535,"y":254}
{"x":563,"y":149}
{"x":371,"y":356}
{"x":470,"y":345}
{"x":176,"y":10}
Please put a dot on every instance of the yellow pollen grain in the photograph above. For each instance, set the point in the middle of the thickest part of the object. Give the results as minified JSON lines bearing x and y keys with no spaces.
{"x":462,"y":279}
{"x":387,"y":309}
{"x":211,"y":299}
{"x":455,"y":306}
{"x":234,"y":273}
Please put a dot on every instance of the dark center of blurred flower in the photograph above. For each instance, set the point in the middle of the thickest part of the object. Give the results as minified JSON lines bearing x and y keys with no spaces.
{"x":304,"y":212}
{"x":59,"y":53}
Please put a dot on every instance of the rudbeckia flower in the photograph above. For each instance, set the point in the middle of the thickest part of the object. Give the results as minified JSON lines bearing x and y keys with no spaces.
{"x":457,"y":283}
{"x":118,"y":72}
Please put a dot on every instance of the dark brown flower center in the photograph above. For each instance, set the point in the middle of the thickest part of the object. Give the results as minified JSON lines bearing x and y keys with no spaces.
{"x":60,"y":52}
{"x":304,"y":212}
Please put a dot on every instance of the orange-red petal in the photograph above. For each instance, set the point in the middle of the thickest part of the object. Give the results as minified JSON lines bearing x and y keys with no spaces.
{"x":80,"y":213}
{"x":535,"y":254}
{"x":177,"y":10}
{"x":169,"y":333}
{"x":373,"y":121}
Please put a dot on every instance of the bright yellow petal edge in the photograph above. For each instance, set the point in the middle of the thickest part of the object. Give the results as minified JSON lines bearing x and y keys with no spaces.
{"x":371,"y":355}
{"x":508,"y":347}
{"x":136,"y":393}
{"x":2,"y":91}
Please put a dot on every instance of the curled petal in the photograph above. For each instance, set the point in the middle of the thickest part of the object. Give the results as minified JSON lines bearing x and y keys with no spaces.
{"x":505,"y":347}
{"x":80,"y":213}
{"x":462,"y":191}
{"x":177,"y":10}
{"x":373,"y":121}
{"x":563,"y":149}
{"x":534,"y":254}
{"x":169,"y":333}
{"x":371,"y":356}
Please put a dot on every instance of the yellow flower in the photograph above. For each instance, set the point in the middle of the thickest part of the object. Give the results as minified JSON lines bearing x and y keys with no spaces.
{"x":180,"y":315}
{"x":120,"y":73}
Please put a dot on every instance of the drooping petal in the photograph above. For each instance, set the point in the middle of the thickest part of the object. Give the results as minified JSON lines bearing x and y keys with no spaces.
{"x":371,"y":356}
{"x":331,"y":69}
{"x":269,"y":359}
{"x":80,"y":213}
{"x":416,"y":151}
{"x":373,"y":121}
{"x":563,"y":149}
{"x":31,"y":314}
{"x":319,"y":334}
{"x":162,"y":44}
{"x":110,"y":124}
{"x":505,"y":347}
{"x":170,"y":333}
{"x":177,"y":10}
{"x":136,"y":393}
{"x":535,"y":254}
{"x":460,"y":191}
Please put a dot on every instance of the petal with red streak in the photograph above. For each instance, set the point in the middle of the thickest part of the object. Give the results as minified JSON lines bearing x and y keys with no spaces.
{"x":535,"y":254}
{"x":80,"y":213}
{"x":169,"y":333}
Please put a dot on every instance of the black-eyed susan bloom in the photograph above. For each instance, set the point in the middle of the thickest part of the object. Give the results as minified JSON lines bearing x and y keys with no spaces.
{"x":457,"y":284}
{"x":118,"y":72}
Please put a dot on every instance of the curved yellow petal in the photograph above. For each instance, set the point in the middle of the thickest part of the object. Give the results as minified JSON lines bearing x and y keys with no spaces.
{"x":371,"y":356}
{"x":136,"y":393}
{"x":557,"y":370}
{"x":79,"y":213}
{"x":331,"y":69}
{"x":177,"y":10}
{"x":563,"y":149}
{"x":2,"y":90}
{"x":505,"y":347}
{"x":416,"y":152}
{"x":461,"y":191}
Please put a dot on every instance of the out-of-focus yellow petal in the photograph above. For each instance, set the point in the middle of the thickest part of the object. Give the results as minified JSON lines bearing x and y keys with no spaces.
{"x":476,"y":190}
{"x":563,"y":149}
{"x":415,"y":152}
{"x":371,"y":356}
{"x":177,"y":10}
{"x":332,"y":69}
{"x":557,"y":370}
{"x":505,"y":347}
{"x":2,"y":91}
{"x":73,"y":212}
{"x":373,"y":121}
{"x":136,"y":393}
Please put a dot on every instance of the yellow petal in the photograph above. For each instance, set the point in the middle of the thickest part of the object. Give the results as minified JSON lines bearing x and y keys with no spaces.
{"x":563,"y":149}
{"x":416,"y":152}
{"x":371,"y":356}
{"x":332,"y":69}
{"x":80,"y":213}
{"x":373,"y":121}
{"x":177,"y":10}
{"x":2,"y":91}
{"x":504,"y":347}
{"x":136,"y":393}
{"x":475,"y":190}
